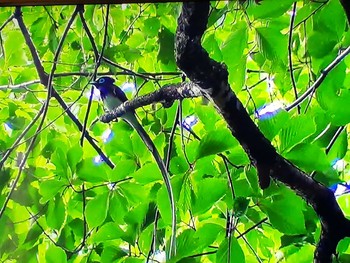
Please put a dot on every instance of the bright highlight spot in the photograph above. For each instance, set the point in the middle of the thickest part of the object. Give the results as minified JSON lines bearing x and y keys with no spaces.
{"x":269,"y":110}
{"x":189,"y":122}
{"x":8,"y":129}
{"x":95,"y":95}
{"x":339,"y":165}
{"x":340,"y":189}
{"x":107,"y":135}
{"x":128,"y":87}
{"x":98,"y":160}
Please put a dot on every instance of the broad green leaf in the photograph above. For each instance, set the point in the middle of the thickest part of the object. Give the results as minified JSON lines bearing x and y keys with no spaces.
{"x":269,"y":8}
{"x":309,"y":157}
{"x":74,"y":156}
{"x":148,"y":173}
{"x":215,"y":142}
{"x":232,"y":249}
{"x":343,"y":245}
{"x":56,"y":213}
{"x":112,"y":253}
{"x":304,"y":254}
{"x":122,"y":170}
{"x":343,"y":202}
{"x":96,"y":210}
{"x":151,"y":26}
{"x":296,"y":131}
{"x":272,"y":43}
{"x":166,"y":46}
{"x":336,"y":25}
{"x":207,"y":195}
{"x":118,"y":207}
{"x":55,"y":255}
{"x":240,"y":206}
{"x":59,"y":159}
{"x":89,"y":171}
{"x":108,"y":231}
{"x":321,"y":43}
{"x":237,"y":41}
{"x":339,"y":148}
{"x":49,"y":188}
{"x":285,"y":212}
{"x":216,"y":14}
{"x":271,"y":126}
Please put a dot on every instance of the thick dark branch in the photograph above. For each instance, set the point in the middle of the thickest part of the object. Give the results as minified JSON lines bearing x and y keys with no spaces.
{"x":346,"y":6}
{"x":212,"y":78}
{"x":166,"y":95}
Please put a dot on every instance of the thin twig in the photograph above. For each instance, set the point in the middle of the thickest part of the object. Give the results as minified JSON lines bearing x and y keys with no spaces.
{"x":98,"y":62}
{"x":290,"y":53}
{"x":319,"y":80}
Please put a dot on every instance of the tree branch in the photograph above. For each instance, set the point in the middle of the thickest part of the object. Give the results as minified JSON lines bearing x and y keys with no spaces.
{"x":166,"y":95}
{"x":44,"y":80}
{"x":212,"y":78}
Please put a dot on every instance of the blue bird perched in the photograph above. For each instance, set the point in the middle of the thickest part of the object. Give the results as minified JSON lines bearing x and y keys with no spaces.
{"x":112,"y":97}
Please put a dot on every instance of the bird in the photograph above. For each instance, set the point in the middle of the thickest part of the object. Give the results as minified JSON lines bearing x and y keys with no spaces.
{"x":112,"y":97}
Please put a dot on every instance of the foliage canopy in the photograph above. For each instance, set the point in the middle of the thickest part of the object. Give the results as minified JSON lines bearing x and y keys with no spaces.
{"x":61,"y":202}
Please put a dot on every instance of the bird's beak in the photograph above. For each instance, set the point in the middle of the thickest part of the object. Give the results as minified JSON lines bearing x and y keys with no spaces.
{"x":93,"y":83}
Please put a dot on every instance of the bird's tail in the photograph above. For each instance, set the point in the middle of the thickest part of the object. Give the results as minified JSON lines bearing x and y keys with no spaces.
{"x":132,"y":120}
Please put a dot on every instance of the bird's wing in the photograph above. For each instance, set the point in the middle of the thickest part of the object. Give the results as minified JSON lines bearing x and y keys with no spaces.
{"x":119,"y":93}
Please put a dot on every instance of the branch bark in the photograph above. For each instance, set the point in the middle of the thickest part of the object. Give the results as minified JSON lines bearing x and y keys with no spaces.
{"x":166,"y":95}
{"x":212,"y":78}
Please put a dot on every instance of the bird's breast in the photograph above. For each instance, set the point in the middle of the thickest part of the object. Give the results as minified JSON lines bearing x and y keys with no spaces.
{"x":111,"y":102}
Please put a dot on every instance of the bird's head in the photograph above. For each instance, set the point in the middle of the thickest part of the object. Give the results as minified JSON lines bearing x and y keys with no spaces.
{"x":104,"y":85}
{"x":103,"y":82}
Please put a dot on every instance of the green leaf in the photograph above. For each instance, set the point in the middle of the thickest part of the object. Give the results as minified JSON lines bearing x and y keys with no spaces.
{"x":74,"y":156}
{"x":304,"y":254}
{"x":216,"y":14}
{"x":108,"y":231}
{"x":309,"y":157}
{"x":88,"y":171}
{"x":122,"y":170}
{"x":237,"y":41}
{"x":269,"y":8}
{"x":112,"y":253}
{"x":53,"y":43}
{"x":151,"y":26}
{"x":272,"y":44}
{"x":56,"y":213}
{"x":285,"y":212}
{"x":148,"y":173}
{"x":55,"y":255}
{"x":166,"y":46}
{"x":49,"y":188}
{"x":163,"y":200}
{"x":240,"y":206}
{"x":270,"y":127}
{"x":215,"y":142}
{"x":236,"y":252}
{"x":298,"y":129}
{"x":321,"y":43}
{"x":59,"y":159}
{"x":96,"y":210}
{"x":118,"y":207}
{"x":207,"y":195}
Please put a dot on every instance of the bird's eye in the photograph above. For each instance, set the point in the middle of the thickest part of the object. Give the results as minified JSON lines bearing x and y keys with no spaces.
{"x":101,"y":81}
